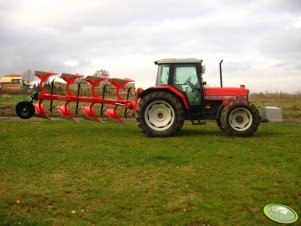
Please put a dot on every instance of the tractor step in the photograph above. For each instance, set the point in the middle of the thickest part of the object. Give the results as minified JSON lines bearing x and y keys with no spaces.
{"x":197,"y":122}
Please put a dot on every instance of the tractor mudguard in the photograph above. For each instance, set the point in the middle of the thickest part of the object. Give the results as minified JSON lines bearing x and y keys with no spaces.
{"x":169,"y":89}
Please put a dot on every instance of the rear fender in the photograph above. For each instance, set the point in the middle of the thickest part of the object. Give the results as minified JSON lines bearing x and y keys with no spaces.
{"x":169,"y":89}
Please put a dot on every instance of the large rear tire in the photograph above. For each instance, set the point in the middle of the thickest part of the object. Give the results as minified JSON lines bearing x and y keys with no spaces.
{"x":240,"y":118}
{"x":160,"y":114}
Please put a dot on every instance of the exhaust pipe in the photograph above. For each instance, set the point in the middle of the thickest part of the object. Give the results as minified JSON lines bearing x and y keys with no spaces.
{"x":221,"y":73}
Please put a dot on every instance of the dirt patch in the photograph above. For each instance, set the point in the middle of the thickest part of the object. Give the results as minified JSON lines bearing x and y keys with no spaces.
{"x":292,"y":120}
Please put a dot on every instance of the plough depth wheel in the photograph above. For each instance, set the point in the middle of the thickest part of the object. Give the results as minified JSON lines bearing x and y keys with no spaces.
{"x":25,"y":109}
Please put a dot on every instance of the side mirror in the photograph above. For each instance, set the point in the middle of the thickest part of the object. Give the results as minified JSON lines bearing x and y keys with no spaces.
{"x":204,"y":83}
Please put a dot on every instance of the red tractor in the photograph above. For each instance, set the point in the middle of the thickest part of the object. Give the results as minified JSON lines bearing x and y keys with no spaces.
{"x":180,"y":94}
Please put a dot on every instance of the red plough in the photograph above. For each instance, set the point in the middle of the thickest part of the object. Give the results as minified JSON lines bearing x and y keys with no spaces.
{"x":26,"y":109}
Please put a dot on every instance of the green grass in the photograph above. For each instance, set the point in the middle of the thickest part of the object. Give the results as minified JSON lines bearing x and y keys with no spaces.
{"x":64,"y":173}
{"x":8,"y":103}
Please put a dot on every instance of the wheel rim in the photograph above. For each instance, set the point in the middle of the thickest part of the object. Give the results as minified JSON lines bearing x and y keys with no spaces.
{"x":24,"y":111}
{"x":240,"y":119}
{"x":159,"y":115}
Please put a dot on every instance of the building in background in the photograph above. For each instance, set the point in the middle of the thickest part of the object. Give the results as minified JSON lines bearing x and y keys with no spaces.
{"x":14,"y":83}
{"x":11,"y":83}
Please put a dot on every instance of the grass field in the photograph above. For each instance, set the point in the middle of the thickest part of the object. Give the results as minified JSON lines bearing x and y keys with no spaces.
{"x":8,"y":103}
{"x":64,"y":173}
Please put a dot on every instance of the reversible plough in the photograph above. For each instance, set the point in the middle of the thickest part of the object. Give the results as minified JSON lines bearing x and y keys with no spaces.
{"x":25,"y":109}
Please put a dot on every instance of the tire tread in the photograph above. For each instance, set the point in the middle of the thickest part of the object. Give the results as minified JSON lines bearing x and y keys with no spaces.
{"x":225,"y":124}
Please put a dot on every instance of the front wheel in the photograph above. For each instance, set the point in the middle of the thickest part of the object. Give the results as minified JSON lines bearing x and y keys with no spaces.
{"x":160,"y":114}
{"x":240,"y":118}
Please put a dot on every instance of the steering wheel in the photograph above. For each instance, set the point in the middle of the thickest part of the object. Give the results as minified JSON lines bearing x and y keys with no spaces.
{"x":190,"y":84}
{"x":188,"y":81}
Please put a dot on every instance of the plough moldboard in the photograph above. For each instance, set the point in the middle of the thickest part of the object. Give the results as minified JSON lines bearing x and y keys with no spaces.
{"x":108,"y":107}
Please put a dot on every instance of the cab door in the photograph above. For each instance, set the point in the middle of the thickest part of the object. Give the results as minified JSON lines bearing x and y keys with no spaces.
{"x":186,"y":80}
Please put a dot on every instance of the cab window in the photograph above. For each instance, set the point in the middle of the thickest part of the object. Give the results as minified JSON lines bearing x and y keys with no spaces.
{"x":186,"y":76}
{"x":163,"y":75}
{"x":186,"y":80}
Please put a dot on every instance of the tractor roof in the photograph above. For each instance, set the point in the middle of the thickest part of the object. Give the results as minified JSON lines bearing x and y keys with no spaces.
{"x":179,"y":61}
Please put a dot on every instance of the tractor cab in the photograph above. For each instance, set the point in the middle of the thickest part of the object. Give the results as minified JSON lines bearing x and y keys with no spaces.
{"x":186,"y":76}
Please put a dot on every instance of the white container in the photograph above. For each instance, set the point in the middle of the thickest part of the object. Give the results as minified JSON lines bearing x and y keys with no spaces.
{"x":270,"y":114}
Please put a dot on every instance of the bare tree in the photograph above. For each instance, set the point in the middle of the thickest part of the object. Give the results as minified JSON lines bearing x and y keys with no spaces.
{"x":101,"y":72}
{"x":28,"y":75}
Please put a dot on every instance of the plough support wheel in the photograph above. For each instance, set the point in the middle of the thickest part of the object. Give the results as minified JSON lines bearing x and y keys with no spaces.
{"x":25,"y":109}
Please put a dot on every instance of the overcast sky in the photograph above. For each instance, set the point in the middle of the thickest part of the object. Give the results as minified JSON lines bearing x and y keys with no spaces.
{"x":260,"y":40}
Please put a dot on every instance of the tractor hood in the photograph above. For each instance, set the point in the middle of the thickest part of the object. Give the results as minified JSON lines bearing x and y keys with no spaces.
{"x":217,"y":93}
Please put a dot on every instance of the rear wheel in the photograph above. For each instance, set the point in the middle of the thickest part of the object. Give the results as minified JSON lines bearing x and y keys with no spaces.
{"x":160,"y":114}
{"x":240,"y":118}
{"x":25,"y":109}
